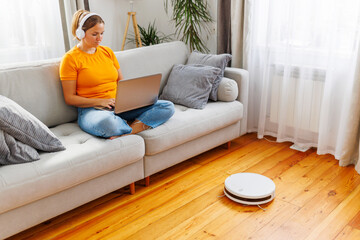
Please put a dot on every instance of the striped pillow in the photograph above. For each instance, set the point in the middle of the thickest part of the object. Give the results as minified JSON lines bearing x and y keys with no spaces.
{"x":26,"y":128}
{"x":13,"y":152}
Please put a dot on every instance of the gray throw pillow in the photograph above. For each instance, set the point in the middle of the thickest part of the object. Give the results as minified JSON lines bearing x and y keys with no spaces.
{"x":26,"y":128}
{"x":13,"y":152}
{"x":218,"y":61}
{"x":190,"y":85}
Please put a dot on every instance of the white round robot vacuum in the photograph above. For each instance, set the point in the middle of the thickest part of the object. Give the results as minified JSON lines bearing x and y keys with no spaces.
{"x":249,"y":188}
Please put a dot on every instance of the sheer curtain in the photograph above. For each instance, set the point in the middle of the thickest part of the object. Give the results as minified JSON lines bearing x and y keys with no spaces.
{"x":303,"y":60}
{"x":31,"y":30}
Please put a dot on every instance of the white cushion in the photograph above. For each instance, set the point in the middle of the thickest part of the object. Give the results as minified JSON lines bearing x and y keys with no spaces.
{"x":228,"y":90}
{"x":86,"y":157}
{"x":187,"y":124}
{"x":45,"y":100}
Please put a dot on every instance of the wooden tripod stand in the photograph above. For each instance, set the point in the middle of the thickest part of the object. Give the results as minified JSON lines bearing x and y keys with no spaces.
{"x":136,"y":30}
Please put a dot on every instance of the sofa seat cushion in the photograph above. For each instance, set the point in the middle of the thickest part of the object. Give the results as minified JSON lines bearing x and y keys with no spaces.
{"x":86,"y":157}
{"x":188,"y":124}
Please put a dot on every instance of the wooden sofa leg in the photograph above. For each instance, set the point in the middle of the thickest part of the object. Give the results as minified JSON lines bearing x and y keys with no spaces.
{"x":228,"y":145}
{"x":132,"y":188}
{"x":147,"y":181}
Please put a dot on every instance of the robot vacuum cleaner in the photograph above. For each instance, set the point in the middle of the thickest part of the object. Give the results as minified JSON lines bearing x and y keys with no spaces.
{"x":249,"y":188}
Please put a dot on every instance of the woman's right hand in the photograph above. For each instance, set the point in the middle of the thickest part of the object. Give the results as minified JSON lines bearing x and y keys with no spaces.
{"x":106,"y":103}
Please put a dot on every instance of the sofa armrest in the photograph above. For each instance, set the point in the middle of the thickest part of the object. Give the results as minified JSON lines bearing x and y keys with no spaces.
{"x":241,"y":77}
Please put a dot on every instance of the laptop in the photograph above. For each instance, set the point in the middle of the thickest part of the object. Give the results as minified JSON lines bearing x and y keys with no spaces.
{"x":137,"y":92}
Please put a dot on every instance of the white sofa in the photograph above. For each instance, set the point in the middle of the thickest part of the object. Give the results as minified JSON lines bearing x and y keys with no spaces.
{"x":91,"y":167}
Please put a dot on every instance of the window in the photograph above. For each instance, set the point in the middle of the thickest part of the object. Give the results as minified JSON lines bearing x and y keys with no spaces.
{"x":31,"y":30}
{"x":306,"y":28}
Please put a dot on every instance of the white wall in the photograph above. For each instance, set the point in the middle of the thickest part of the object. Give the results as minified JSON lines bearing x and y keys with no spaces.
{"x":114,"y":13}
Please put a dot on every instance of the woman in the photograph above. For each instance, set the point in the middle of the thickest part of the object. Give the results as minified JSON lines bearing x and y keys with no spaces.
{"x":89,"y":74}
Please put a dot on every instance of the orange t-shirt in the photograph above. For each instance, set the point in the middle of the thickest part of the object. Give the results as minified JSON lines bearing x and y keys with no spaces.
{"x":95,"y":74}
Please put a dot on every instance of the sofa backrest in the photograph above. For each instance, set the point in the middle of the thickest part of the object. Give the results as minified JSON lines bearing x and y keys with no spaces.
{"x":36,"y":87}
{"x":154,"y":59}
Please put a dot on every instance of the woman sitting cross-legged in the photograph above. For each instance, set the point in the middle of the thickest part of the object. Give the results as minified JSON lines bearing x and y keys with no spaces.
{"x":89,"y":74}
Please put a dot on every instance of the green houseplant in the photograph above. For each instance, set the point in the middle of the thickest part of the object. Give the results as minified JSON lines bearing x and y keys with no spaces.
{"x":150,"y":35}
{"x":191,"y":17}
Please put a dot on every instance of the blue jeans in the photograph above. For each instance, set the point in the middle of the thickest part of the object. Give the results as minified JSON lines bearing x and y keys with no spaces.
{"x":106,"y":124}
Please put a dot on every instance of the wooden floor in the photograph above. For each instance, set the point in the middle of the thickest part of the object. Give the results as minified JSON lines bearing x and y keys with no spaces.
{"x":315,"y":199}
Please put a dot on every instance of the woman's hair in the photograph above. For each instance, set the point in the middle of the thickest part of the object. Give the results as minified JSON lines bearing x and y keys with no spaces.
{"x":89,"y":23}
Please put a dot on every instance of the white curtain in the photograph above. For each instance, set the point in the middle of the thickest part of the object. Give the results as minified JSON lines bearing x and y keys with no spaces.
{"x":31,"y":30}
{"x":303,"y":61}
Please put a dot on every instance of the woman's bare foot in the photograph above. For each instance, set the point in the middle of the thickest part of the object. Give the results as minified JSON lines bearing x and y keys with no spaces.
{"x":138,"y":126}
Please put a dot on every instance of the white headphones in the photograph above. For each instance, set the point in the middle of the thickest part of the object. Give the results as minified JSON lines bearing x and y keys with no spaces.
{"x":80,"y":34}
